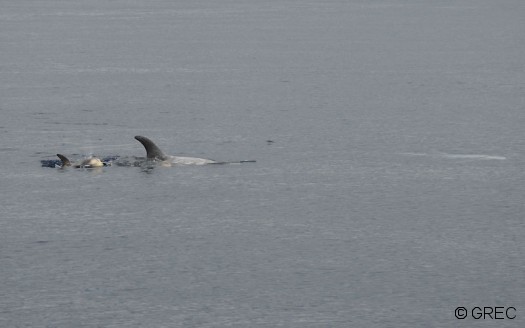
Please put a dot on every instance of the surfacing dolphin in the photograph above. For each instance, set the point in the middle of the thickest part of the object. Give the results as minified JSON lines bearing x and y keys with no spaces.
{"x":153,"y":156}
{"x":153,"y":153}
{"x":88,"y":163}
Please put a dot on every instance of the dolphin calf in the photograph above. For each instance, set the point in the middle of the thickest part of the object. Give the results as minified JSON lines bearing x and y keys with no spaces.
{"x":153,"y":153}
{"x":90,"y":162}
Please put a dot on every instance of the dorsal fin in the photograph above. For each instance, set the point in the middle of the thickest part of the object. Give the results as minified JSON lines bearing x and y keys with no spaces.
{"x":152,"y":151}
{"x":65,"y":161}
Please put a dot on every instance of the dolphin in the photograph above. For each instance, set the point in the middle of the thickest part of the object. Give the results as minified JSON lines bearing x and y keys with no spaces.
{"x":153,"y":153}
{"x":90,"y":162}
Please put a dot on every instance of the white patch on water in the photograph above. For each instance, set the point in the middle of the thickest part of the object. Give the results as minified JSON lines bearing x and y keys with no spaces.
{"x":474,"y":156}
{"x":459,"y":156}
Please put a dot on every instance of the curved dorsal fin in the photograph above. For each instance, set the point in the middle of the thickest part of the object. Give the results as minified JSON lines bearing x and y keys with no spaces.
{"x":152,"y":151}
{"x":65,"y":161}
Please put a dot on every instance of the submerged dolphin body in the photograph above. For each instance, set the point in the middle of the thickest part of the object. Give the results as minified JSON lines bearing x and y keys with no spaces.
{"x":153,"y":153}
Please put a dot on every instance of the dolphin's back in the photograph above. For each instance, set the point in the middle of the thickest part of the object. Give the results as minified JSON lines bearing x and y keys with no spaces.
{"x":152,"y":151}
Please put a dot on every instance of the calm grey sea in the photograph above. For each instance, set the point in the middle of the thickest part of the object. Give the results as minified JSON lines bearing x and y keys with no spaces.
{"x":388,"y":189}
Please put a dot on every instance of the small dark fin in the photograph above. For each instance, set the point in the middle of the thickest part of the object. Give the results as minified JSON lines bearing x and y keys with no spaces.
{"x":65,"y":161}
{"x":152,"y":151}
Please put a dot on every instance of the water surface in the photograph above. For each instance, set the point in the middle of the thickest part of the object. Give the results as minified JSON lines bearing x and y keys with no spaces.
{"x":388,"y":188}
